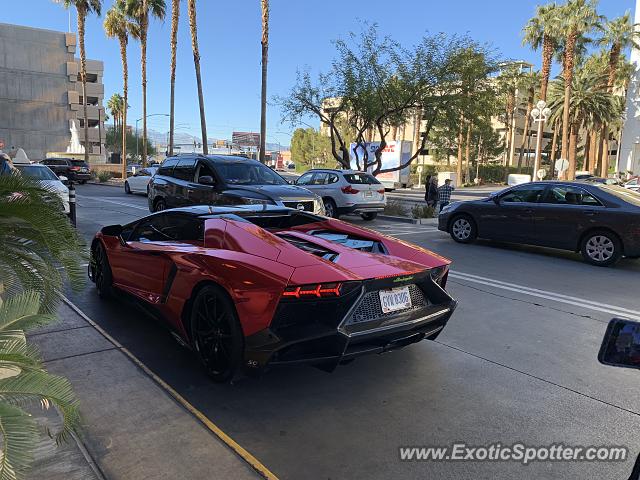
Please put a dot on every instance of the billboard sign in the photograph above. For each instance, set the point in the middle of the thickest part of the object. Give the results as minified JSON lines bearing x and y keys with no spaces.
{"x":246,"y":139}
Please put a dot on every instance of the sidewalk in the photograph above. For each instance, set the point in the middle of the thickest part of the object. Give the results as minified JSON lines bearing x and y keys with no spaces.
{"x":132,"y":428}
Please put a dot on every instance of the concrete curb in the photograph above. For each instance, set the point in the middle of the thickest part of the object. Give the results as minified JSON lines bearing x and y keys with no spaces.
{"x":415,"y":221}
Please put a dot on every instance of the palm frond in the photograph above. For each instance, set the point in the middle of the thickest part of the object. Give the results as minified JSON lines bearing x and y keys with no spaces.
{"x":22,"y":312}
{"x":19,"y":433}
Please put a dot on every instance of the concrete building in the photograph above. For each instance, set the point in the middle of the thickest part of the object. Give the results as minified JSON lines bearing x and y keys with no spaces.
{"x":39,"y":92}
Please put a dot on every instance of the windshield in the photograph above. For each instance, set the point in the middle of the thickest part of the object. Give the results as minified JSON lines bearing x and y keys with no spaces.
{"x":37,"y":172}
{"x":245,"y":173}
{"x":361,"y":179}
{"x":78,"y":163}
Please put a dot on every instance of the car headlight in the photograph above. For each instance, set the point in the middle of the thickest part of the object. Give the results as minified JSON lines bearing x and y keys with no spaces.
{"x":446,"y":208}
{"x":256,"y":201}
{"x":318,"y":206}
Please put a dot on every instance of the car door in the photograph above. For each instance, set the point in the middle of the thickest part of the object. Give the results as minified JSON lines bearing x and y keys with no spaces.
{"x":306,"y":181}
{"x":183,"y":174}
{"x":204,"y":193}
{"x":564,"y":213}
{"x":165,"y":186}
{"x":510,"y":216}
{"x":138,"y":181}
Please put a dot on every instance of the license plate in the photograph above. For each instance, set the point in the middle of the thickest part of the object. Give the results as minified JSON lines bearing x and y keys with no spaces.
{"x":368,"y":194}
{"x":395,"y":299}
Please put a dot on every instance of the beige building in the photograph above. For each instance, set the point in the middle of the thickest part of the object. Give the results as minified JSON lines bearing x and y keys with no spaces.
{"x":40,"y":92}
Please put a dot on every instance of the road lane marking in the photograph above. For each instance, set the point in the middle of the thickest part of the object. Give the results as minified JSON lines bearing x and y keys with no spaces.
{"x":556,"y":297}
{"x":212,"y":427}
{"x":103,"y":199}
{"x":424,"y":230}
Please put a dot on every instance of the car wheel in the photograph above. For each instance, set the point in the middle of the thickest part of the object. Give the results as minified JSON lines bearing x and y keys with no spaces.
{"x":601,"y":248}
{"x":82,"y":182}
{"x":127,"y":188}
{"x":159,"y":205}
{"x":369,"y":216}
{"x":102,"y":275}
{"x":216,"y":334}
{"x":330,"y":208}
{"x":463,"y":229}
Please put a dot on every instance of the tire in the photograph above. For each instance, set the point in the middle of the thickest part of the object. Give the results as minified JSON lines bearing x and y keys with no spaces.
{"x":463,"y":229}
{"x":216,"y":334}
{"x":159,"y":205}
{"x":330,"y":208}
{"x":102,"y":275}
{"x":601,"y":247}
{"x":82,"y":182}
{"x":127,"y":188}
{"x":369,"y":216}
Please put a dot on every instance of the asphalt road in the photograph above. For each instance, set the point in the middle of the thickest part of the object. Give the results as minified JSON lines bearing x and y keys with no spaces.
{"x":516,"y":363}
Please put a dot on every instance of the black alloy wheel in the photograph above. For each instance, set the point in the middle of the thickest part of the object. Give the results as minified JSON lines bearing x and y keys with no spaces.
{"x":102,"y":275}
{"x":127,"y":188}
{"x":216,"y":334}
{"x":160,"y":205}
{"x":330,"y":208}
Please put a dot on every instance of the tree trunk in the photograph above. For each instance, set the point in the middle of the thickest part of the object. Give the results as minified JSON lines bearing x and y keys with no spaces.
{"x":125,"y":88}
{"x":144,"y":23}
{"x":196,"y":62}
{"x":554,"y":145}
{"x":175,"y":16}
{"x":527,"y":123}
{"x":416,"y":129}
{"x":548,"y":47}
{"x":263,"y":93}
{"x":82,"y":14}
{"x":573,"y":147}
{"x":460,"y":140}
{"x":593,"y":151}
{"x":467,"y":153}
{"x":587,"y":150}
{"x":568,"y":61}
{"x":604,"y":161}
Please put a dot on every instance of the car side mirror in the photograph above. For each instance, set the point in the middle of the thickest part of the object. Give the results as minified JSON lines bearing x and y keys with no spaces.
{"x":112,"y":230}
{"x":621,"y":344}
{"x":206,"y":180}
{"x":63,"y":179}
{"x":496,"y":199}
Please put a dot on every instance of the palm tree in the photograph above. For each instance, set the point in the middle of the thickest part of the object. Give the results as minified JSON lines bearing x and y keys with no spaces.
{"x":175,"y":16}
{"x":528,"y":83}
{"x":38,"y":246}
{"x":196,"y":61}
{"x":138,"y":11}
{"x":543,"y":31}
{"x":263,"y":95}
{"x":83,"y":8}
{"x":23,"y":383}
{"x":116,"y":25}
{"x":577,"y":18}
{"x":114,"y":104}
{"x":617,"y":35}
{"x":590,"y":104}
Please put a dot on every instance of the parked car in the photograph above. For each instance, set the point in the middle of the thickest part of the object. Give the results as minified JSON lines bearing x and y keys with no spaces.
{"x":346,"y":191}
{"x":633,"y":184}
{"x":45,"y":176}
{"x":606,"y":181}
{"x":256,"y":286}
{"x":139,"y":181}
{"x":75,"y":170}
{"x":132,"y":168}
{"x":600,"y":221}
{"x":224,"y":180}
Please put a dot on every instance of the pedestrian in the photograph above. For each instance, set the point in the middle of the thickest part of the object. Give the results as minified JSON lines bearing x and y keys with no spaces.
{"x":427,"y":182}
{"x":444,"y":193}
{"x":432,"y":192}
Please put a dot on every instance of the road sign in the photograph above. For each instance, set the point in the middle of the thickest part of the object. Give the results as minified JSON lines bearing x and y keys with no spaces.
{"x":541,"y":173}
{"x":561,"y":165}
{"x":246,"y":139}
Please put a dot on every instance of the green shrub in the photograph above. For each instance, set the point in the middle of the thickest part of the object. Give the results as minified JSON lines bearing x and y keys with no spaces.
{"x":423,"y":211}
{"x":395,"y":208}
{"x":104,"y":176}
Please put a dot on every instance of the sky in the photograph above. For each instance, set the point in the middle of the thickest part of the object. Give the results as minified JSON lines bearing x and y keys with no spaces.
{"x":301,"y":35}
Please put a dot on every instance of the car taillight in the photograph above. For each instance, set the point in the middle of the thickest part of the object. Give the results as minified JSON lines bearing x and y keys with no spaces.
{"x":381,"y":191}
{"x":75,"y":169}
{"x":318,"y":290}
{"x":350,"y":190}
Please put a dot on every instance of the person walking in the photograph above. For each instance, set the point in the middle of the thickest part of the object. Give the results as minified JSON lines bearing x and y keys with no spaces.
{"x":6,"y":165}
{"x":432,"y":192}
{"x":444,"y":193}
{"x":427,"y":183}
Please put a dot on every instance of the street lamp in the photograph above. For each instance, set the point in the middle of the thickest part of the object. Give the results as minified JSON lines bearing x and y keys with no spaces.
{"x":539,"y":114}
{"x":150,"y":115}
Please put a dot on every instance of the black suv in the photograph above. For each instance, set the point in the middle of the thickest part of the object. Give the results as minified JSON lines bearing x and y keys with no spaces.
{"x":224,"y":180}
{"x":76,"y":170}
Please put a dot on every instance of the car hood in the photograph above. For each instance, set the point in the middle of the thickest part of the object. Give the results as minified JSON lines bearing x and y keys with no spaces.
{"x":274,"y":191}
{"x":55,"y":185}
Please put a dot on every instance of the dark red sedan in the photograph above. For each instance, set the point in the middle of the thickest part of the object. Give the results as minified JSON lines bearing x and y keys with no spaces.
{"x":263,"y":285}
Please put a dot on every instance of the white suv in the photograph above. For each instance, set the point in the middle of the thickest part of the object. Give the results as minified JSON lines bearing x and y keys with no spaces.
{"x":346,"y":191}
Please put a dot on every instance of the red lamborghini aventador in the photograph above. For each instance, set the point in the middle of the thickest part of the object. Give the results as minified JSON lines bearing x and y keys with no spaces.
{"x":264,"y":285}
